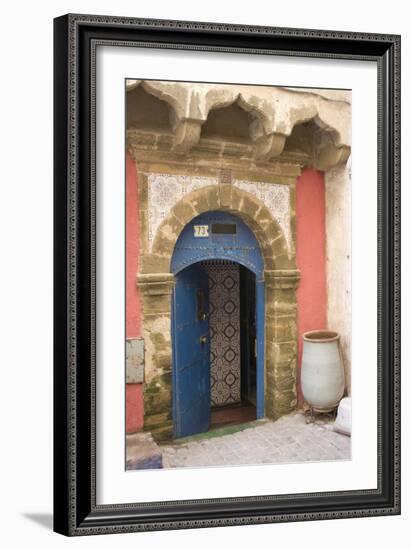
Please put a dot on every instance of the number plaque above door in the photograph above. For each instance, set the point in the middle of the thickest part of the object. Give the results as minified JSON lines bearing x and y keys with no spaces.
{"x":201,"y":231}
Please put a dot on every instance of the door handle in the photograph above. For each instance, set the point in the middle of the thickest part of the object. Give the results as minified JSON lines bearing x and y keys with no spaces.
{"x":203,"y":339}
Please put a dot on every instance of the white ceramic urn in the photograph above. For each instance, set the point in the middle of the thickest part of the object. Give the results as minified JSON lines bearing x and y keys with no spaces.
{"x":322,"y":370}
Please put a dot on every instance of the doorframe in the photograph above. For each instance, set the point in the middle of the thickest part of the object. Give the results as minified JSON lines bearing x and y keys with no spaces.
{"x":260,"y":337}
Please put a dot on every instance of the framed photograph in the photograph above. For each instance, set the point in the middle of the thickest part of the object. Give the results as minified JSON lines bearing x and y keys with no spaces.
{"x":227,"y":276}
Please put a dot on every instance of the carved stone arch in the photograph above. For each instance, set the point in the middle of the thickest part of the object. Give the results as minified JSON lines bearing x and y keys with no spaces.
{"x":231,"y":199}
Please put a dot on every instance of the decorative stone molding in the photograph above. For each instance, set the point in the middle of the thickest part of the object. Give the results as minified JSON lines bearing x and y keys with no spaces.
{"x":269,"y":146}
{"x":155,"y":284}
{"x":186,"y":135}
{"x":155,"y":290}
{"x":282,"y":279}
{"x":274,"y":113}
{"x":330,"y":156}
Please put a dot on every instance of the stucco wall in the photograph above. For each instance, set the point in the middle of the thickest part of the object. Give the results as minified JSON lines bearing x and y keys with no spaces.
{"x":338,"y":268}
{"x":311,"y":248}
{"x":134,"y":392}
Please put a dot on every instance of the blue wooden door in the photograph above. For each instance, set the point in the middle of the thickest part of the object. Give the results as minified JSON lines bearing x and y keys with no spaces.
{"x":191,"y":352}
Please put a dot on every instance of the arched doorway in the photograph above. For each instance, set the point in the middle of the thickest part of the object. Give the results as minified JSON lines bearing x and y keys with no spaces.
{"x":156,"y":282}
{"x":217,"y":320}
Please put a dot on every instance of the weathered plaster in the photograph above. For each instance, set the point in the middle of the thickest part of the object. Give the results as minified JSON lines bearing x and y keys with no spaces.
{"x":338,"y":266}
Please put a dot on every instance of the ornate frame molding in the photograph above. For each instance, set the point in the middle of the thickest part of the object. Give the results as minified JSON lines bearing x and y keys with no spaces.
{"x":76,"y":38}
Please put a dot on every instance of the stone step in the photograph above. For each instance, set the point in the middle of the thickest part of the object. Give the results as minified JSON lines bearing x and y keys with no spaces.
{"x":142,"y":452}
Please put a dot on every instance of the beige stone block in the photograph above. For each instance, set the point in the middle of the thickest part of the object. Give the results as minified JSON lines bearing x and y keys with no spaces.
{"x":156,"y":421}
{"x":281,"y":403}
{"x":184,"y":211}
{"x":273,"y":234}
{"x":236,"y":200}
{"x":281,"y":352}
{"x":163,"y":359}
{"x":165,"y":241}
{"x":143,"y":223}
{"x":269,"y":262}
{"x":283,"y":381}
{"x":263,"y":218}
{"x":226,"y":191}
{"x":277,"y":244}
{"x":157,"y":398}
{"x":154,"y":263}
{"x":280,"y":302}
{"x":213,"y":198}
{"x":284,"y":261}
{"x":280,"y":329}
{"x":156,"y":304}
{"x":162,"y":431}
{"x":155,"y":284}
{"x":251,"y":206}
{"x":142,"y":191}
{"x":200,"y":203}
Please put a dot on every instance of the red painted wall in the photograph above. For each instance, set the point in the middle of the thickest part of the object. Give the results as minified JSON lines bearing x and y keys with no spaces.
{"x":311,"y":260}
{"x":134,"y":392}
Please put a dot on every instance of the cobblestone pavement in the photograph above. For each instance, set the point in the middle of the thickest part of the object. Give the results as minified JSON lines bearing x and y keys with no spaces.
{"x":289,"y":439}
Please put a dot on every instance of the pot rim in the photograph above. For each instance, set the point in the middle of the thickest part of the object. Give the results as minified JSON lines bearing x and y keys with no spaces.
{"x":321,"y":335}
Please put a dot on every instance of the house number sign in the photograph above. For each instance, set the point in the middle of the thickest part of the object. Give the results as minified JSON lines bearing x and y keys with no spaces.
{"x":200,"y":230}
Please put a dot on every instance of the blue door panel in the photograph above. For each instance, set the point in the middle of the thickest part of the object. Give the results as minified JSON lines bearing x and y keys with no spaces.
{"x":191,"y":352}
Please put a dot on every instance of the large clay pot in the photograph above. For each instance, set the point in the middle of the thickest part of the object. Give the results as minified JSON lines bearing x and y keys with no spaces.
{"x":322,"y":371}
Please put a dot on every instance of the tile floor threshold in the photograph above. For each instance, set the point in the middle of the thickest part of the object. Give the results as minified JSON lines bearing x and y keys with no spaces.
{"x":218,"y":431}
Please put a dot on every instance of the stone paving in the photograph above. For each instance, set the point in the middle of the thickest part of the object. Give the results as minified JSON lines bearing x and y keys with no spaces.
{"x":287,"y":440}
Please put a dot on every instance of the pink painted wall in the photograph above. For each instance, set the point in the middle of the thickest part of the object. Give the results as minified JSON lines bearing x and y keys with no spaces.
{"x":134,"y":392}
{"x":133,"y":307}
{"x":311,"y":259}
{"x":134,"y":407}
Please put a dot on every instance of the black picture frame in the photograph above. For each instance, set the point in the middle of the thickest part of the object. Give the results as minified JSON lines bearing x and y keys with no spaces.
{"x":75,"y":509}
